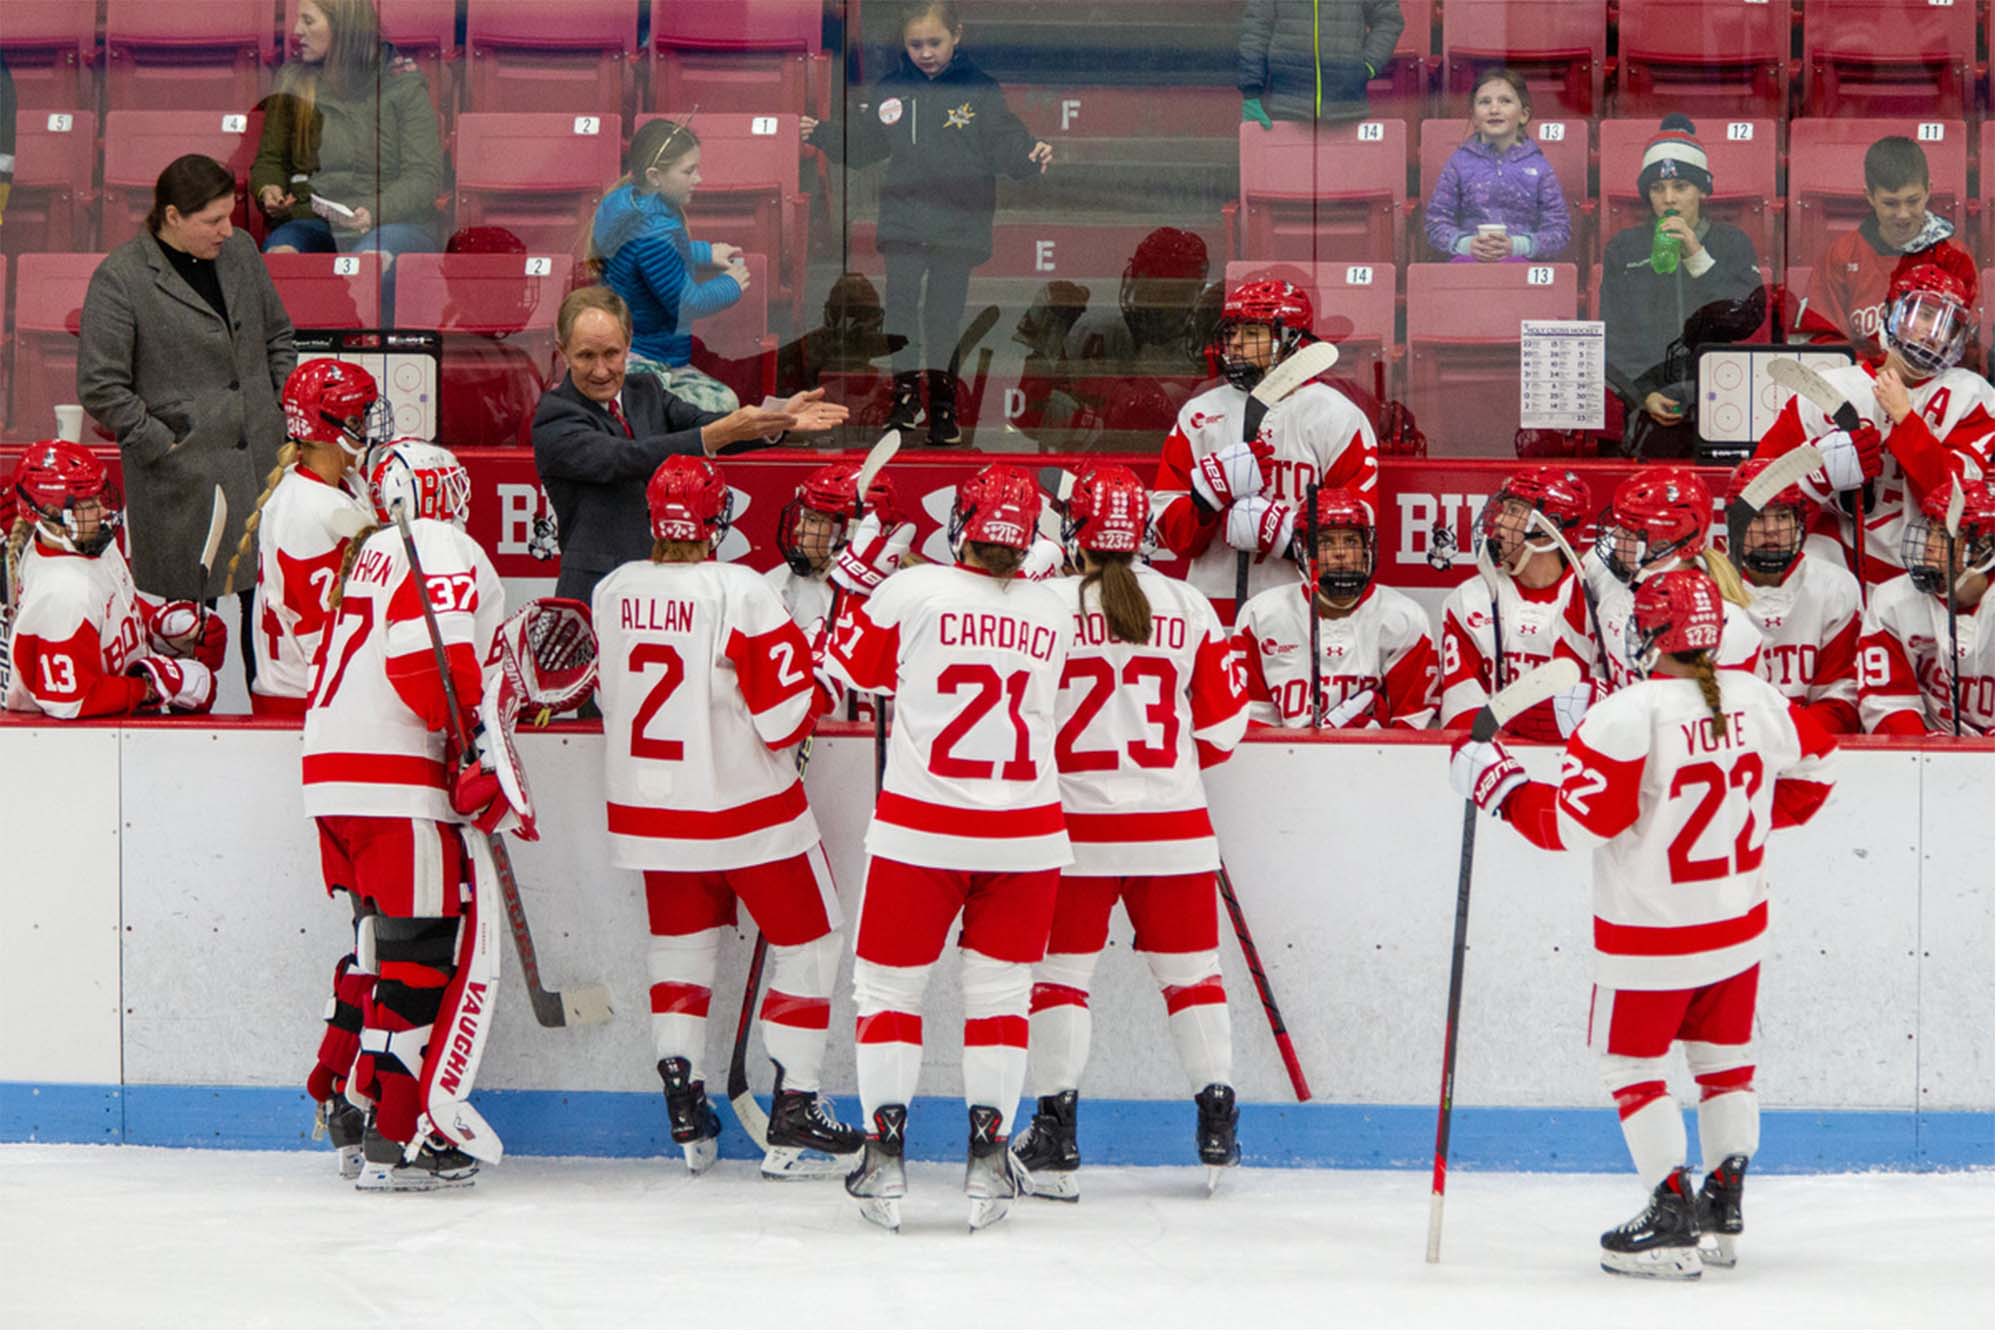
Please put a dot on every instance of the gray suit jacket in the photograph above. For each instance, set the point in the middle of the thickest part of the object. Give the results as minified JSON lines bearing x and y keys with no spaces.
{"x":192,"y":402}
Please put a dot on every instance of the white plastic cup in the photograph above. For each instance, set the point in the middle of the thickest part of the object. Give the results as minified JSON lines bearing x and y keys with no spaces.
{"x":69,"y":422}
{"x":1493,"y":229}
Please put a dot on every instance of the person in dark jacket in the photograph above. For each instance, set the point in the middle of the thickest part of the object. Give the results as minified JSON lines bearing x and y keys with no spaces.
{"x":946,"y":130}
{"x":1311,"y":60}
{"x":1647,"y":361}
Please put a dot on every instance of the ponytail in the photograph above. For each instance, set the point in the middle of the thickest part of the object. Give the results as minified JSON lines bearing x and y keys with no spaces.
{"x":347,"y":560}
{"x":17,"y":541}
{"x":1728,"y":583}
{"x":1000,"y":562}
{"x":1126,"y":609}
{"x":1711,"y":689}
{"x":666,"y":551}
{"x":288,"y":454}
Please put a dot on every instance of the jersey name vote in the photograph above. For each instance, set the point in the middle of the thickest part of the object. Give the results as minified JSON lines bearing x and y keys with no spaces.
{"x":989,"y":630}
{"x":1701,"y":739}
{"x":1169,"y":632}
{"x":675,"y":616}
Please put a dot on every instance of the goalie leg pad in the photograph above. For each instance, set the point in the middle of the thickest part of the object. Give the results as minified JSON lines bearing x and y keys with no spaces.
{"x":417,"y":962}
{"x":465,"y":1016}
{"x":996,"y":1032}
{"x":340,"y":1043}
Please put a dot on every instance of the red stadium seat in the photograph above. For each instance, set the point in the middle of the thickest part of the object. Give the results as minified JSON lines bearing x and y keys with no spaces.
{"x":735,"y":345}
{"x":739,"y":56}
{"x":48,"y":308}
{"x":1704,"y":58}
{"x":497,"y":315}
{"x":1465,"y":348}
{"x":1354,"y":308}
{"x":1890,"y":58}
{"x":553,"y":57}
{"x":139,"y":144}
{"x":55,"y":156}
{"x":1565,"y":143}
{"x":749,"y":193}
{"x":1827,"y":191}
{"x":329,"y":291}
{"x":1742,"y":156}
{"x":1557,"y":45}
{"x":425,"y":32}
{"x":1340,"y":195}
{"x":537,"y":174}
{"x":188,"y":54}
{"x":50,"y":47}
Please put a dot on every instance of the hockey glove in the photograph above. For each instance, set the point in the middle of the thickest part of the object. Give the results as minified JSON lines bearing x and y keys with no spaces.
{"x":1852,"y":457}
{"x":1044,"y":561}
{"x":188,"y":630}
{"x":1230,"y":474}
{"x":476,"y":791}
{"x":1356,"y":711}
{"x":1260,"y":526}
{"x":1484,"y":774}
{"x":174,"y":685}
{"x":872,"y":554}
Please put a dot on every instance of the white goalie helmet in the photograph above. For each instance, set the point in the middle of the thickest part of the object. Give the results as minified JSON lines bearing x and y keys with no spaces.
{"x":426,"y":479}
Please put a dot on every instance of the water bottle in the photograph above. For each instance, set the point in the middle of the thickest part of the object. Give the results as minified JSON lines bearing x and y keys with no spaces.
{"x":1666,"y":247}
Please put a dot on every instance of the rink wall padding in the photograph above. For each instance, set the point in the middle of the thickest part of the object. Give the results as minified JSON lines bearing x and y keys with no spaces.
{"x":166,"y":949}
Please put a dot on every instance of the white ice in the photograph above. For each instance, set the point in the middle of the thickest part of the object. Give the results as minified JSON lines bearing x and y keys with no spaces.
{"x":122,"y":1236}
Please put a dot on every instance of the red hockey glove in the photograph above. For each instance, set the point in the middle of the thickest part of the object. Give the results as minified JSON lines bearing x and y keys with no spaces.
{"x":1260,"y":526}
{"x":1852,"y":457}
{"x":188,"y":630}
{"x":1230,"y":474}
{"x":872,"y":554}
{"x":175,"y":685}
{"x":1484,"y":774}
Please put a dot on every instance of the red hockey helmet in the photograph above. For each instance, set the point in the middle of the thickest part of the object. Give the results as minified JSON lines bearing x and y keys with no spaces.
{"x":1506,"y":523}
{"x":688,"y":501}
{"x":426,"y":480}
{"x":1657,"y":515}
{"x":1109,"y":510}
{"x":330,"y":402}
{"x":71,"y":493}
{"x":1347,"y":570}
{"x":1933,"y":560}
{"x":999,"y":504}
{"x":1283,"y":308}
{"x":1927,"y":317}
{"x":1675,"y":613}
{"x":1779,"y":529}
{"x":828,"y":492}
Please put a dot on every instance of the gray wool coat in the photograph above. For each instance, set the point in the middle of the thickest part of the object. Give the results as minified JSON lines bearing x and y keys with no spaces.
{"x":192,"y":402}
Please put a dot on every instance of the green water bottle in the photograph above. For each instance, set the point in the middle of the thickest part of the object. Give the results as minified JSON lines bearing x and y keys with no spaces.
{"x":1666,"y":247}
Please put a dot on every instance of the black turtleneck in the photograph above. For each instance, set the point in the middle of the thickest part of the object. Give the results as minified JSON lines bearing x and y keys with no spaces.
{"x":200,"y":275}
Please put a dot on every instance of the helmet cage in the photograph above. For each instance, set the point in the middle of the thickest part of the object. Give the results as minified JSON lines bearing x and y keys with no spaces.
{"x":791,"y":544}
{"x":1765,"y":560}
{"x":1927,"y":328}
{"x":1347,"y":584}
{"x":427,"y":480}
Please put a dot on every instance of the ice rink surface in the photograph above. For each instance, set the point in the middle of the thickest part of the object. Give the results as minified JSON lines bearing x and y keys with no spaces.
{"x":130,"y":1236}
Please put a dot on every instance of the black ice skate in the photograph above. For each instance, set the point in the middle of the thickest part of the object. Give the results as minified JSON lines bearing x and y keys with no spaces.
{"x":693,"y":1123}
{"x":906,"y":409}
{"x":433,"y":1164}
{"x":1215,"y":1131}
{"x":1047,"y":1149}
{"x":1720,"y":1210}
{"x":944,"y":410}
{"x":993,"y":1176}
{"x":1662,"y":1240}
{"x":878,"y":1181}
{"x":344,"y":1125}
{"x":805,"y":1140}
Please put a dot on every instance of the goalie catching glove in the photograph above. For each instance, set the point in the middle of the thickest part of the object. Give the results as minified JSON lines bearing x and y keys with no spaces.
{"x":174,"y":685}
{"x":188,"y":630}
{"x":1483,"y":773}
{"x":1234,"y":472}
{"x":872,"y":554}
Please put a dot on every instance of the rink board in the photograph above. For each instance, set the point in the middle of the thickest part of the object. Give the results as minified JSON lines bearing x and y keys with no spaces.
{"x":166,"y":953}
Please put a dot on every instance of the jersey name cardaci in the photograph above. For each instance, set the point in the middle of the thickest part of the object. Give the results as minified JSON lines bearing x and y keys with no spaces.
{"x":1314,"y":433}
{"x":706,"y":683}
{"x":1905,"y":666}
{"x":1536,"y":626}
{"x":81,"y":622}
{"x":376,"y":721}
{"x":979,"y":661}
{"x":299,"y":549}
{"x":1811,"y":624}
{"x":1383,"y":645}
{"x":1742,"y":643}
{"x":1139,"y":722}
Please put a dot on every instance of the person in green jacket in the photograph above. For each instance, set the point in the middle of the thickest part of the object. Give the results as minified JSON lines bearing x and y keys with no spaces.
{"x":350,"y":159}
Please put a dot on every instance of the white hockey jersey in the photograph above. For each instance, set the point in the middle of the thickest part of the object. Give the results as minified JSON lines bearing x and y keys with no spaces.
{"x":1315,"y":433}
{"x":1677,"y":818}
{"x":377,"y":724}
{"x":1383,"y":645}
{"x":706,"y":684}
{"x":974,"y":664}
{"x":808,"y":599}
{"x":1138,"y":724}
{"x":1537,"y":625}
{"x":1742,"y":644}
{"x":80,"y":623}
{"x":1811,"y":624}
{"x":301,"y":539}
{"x":1905,"y":665}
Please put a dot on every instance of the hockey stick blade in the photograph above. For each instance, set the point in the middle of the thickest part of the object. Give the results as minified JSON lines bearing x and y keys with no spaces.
{"x":1784,"y":471}
{"x":878,"y":459}
{"x":1537,"y":519}
{"x":1308,"y":363}
{"x":1523,"y":693}
{"x":1793,"y":374}
{"x":1482,"y":557}
{"x":218,"y":520}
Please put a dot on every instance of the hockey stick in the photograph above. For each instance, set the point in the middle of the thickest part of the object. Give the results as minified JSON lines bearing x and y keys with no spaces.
{"x":1309,"y":363}
{"x":218,"y":520}
{"x":1537,"y":519}
{"x":1255,"y":964}
{"x":1531,"y":688}
{"x":1794,"y":375}
{"x":1482,"y":557}
{"x":982,"y":325}
{"x":1953,"y":514}
{"x":878,"y":459}
{"x":1316,"y":692}
{"x":590,"y":1004}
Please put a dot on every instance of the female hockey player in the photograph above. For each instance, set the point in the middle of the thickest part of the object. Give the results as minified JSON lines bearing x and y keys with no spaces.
{"x":1926,"y":662}
{"x":969,"y":820}
{"x":1150,"y":697}
{"x":312,"y":505}
{"x":1807,"y":609}
{"x":1676,"y":781}
{"x":706,"y":685}
{"x":1377,"y":666}
{"x":812,"y":529}
{"x":85,"y":643}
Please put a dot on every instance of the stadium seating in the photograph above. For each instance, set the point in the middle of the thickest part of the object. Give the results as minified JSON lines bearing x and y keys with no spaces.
{"x":48,"y":307}
{"x":139,"y":144}
{"x":552,"y":57}
{"x":749,"y":193}
{"x":1565,"y":143}
{"x":1340,"y":195}
{"x":1464,"y":340}
{"x":739,"y":56}
{"x":50,"y":47}
{"x":1557,"y":45}
{"x":497,"y":315}
{"x":1890,"y":58}
{"x":187,"y":54}
{"x":329,"y":291}
{"x":1704,"y":58}
{"x":538,"y":174}
{"x":55,"y":157}
{"x":1742,"y":156}
{"x":1354,"y":308}
{"x":735,"y":345}
{"x":1403,"y":89}
{"x":1826,"y":188}
{"x":425,"y":32}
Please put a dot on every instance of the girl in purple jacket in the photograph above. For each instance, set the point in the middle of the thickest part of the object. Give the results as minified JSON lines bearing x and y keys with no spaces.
{"x":1497,"y":197}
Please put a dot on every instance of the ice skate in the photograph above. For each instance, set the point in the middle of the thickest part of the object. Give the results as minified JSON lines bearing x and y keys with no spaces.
{"x":1047,"y":1149}
{"x":906,"y":407}
{"x":1215,"y":1131}
{"x":805,"y":1140}
{"x":435,"y":1164}
{"x":344,"y":1125}
{"x":993,"y":1176}
{"x":691,"y":1120}
{"x":1662,"y":1240}
{"x":877,"y":1182}
{"x":944,"y":411}
{"x":1720,"y":1210}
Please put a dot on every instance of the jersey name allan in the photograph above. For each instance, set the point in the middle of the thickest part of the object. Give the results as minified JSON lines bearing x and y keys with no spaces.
{"x":653,"y":614}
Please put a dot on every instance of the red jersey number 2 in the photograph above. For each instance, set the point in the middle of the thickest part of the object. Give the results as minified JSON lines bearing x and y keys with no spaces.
{"x":643,"y":657}
{"x":988,"y":689}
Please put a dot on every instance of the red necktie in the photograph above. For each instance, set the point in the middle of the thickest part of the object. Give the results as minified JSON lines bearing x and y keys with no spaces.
{"x":619,"y":418}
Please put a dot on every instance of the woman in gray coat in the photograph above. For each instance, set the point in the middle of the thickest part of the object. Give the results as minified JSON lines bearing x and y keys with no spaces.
{"x":185,"y":347}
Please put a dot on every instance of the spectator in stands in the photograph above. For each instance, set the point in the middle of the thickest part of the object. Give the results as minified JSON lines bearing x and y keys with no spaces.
{"x":184,"y":347}
{"x":1844,"y":301}
{"x":640,"y":249}
{"x":1649,"y":293}
{"x":1497,"y":197}
{"x":936,"y":223}
{"x":350,"y":159}
{"x":599,"y":435}
{"x":1311,"y":60}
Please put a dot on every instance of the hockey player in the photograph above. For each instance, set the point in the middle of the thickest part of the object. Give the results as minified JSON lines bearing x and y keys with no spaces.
{"x":969,"y":820}
{"x":812,"y":529}
{"x":1215,"y":496}
{"x":1675,"y":781}
{"x":1807,"y":609}
{"x":706,"y":685}
{"x":85,"y":643}
{"x":1923,"y":418}
{"x":386,"y":789}
{"x":313,"y":503}
{"x":1151,"y":696}
{"x":1909,"y":640}
{"x":1378,"y":668}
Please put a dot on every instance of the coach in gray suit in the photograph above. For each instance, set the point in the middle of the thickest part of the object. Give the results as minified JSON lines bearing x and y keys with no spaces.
{"x":599,"y":437}
{"x":185,"y":347}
